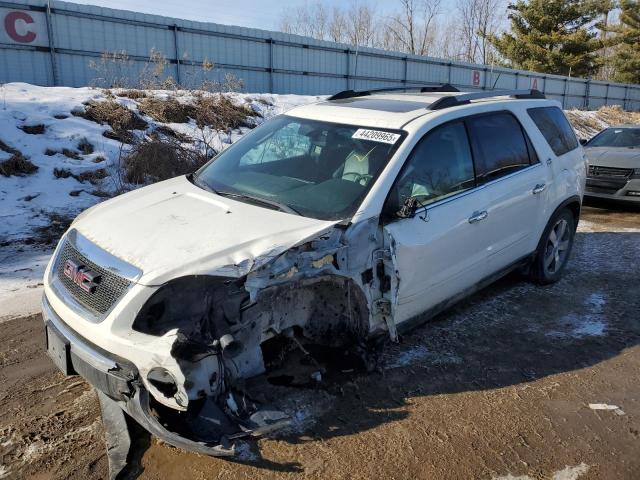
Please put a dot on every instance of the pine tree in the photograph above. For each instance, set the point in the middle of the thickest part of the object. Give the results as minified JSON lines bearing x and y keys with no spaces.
{"x":626,"y":59}
{"x":552,"y":36}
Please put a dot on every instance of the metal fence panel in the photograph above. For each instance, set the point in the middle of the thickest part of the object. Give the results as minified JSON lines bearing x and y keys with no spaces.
{"x":58,"y":47}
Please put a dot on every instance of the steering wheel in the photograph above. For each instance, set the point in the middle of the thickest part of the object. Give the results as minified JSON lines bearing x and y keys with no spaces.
{"x":359,"y":177}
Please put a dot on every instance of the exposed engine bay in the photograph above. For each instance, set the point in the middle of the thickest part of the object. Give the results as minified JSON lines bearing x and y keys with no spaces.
{"x":297,"y":321}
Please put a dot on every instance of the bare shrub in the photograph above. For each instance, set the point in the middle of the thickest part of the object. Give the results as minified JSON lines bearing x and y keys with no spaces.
{"x":157,"y":159}
{"x":168,"y":110}
{"x":112,"y":70}
{"x":153,"y":76}
{"x":17,"y":165}
{"x":112,"y":113}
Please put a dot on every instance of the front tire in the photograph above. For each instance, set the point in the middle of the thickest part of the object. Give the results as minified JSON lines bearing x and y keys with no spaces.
{"x":554,"y":248}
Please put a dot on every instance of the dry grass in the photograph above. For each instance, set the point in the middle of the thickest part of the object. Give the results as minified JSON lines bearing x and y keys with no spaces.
{"x":159,"y":159}
{"x":132,"y":93}
{"x":10,"y":150}
{"x":55,"y":228}
{"x":70,"y":154}
{"x":17,"y":165}
{"x":37,"y":129}
{"x":112,"y":113}
{"x":163,"y":130}
{"x":122,"y":136}
{"x":85,"y":147}
{"x":220,"y":113}
{"x":168,"y":110}
{"x":92,"y":176}
{"x":614,"y":115}
{"x":587,"y":124}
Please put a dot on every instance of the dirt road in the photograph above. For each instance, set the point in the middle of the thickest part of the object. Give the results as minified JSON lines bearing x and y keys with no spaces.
{"x":500,"y":387}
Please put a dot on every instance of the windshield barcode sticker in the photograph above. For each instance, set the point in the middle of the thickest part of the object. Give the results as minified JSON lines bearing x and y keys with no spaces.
{"x":376,"y":136}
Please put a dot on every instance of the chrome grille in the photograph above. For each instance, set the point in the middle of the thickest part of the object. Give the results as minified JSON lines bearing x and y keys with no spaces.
{"x":598,"y":171}
{"x":109,"y":290}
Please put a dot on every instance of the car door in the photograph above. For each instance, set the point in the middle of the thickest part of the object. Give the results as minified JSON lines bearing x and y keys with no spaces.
{"x":440,"y":251}
{"x":515,"y":182}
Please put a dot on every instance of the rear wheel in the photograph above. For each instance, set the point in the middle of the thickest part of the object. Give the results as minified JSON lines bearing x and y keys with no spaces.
{"x":554,"y":248}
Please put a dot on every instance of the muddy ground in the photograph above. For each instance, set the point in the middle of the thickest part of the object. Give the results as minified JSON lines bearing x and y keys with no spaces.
{"x":499,"y":387}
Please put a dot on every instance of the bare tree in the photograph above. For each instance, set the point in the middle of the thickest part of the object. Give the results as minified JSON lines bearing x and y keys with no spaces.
{"x":361,"y":26}
{"x":410,"y":30}
{"x":478,"y":18}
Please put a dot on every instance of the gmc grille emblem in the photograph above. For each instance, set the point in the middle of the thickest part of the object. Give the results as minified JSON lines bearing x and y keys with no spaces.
{"x":82,"y":276}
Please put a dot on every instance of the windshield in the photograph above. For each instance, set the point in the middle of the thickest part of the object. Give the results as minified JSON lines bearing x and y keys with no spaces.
{"x":317,"y":169}
{"x":616,"y":137}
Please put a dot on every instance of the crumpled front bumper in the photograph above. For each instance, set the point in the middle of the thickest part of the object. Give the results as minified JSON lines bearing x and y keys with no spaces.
{"x":115,"y":377}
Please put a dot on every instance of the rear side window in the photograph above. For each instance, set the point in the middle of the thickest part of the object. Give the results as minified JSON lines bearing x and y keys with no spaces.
{"x":499,"y":145}
{"x":555,"y":128}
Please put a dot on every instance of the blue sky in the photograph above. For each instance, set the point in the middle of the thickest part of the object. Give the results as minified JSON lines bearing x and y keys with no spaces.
{"x":247,"y":13}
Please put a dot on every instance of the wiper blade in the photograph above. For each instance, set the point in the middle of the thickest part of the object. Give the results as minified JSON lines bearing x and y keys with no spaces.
{"x":280,"y":206}
{"x":195,"y":179}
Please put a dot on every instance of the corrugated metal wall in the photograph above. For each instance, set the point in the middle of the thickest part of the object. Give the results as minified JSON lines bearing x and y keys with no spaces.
{"x":56,"y":47}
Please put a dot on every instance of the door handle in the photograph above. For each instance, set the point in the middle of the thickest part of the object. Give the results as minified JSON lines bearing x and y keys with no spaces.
{"x":539,"y":188}
{"x":478,"y":216}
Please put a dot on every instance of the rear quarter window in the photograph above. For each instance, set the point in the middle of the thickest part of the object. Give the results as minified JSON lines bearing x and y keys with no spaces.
{"x":555,"y":128}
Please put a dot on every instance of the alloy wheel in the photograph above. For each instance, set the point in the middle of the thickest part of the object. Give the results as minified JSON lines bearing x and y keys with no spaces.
{"x":557,"y":247}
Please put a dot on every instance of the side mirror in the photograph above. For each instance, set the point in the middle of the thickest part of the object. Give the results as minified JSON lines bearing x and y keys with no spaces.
{"x":409,"y":209}
{"x":583,"y":141}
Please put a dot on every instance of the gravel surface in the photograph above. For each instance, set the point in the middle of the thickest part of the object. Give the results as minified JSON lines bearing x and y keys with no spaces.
{"x":517,"y":382}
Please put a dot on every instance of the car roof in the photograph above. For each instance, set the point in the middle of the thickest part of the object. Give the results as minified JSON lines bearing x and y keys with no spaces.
{"x":391,"y":110}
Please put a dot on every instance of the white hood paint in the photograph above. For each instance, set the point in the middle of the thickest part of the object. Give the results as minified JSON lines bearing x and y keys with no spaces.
{"x":174,"y":228}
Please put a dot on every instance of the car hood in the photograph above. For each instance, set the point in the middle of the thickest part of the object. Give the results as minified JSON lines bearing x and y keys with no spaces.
{"x":174,"y":228}
{"x":620,"y":157}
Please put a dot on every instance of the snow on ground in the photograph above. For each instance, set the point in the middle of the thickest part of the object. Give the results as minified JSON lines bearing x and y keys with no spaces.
{"x":28,"y":202}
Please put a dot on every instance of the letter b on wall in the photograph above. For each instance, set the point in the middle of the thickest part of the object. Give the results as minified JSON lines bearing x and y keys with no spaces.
{"x":22,"y":27}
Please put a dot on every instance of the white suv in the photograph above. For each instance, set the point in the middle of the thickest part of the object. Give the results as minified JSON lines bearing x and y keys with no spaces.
{"x":335,"y":223}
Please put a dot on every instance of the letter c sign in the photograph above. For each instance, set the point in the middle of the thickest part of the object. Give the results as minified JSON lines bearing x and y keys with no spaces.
{"x":11,"y":22}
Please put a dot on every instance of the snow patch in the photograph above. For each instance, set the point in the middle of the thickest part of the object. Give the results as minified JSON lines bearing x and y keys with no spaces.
{"x":567,"y":473}
{"x":571,"y":473}
{"x":512,"y":477}
{"x":603,"y":406}
{"x":590,"y":324}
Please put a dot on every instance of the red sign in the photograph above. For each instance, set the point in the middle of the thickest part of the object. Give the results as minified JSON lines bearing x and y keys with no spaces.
{"x":16,"y":24}
{"x":475,"y":78}
{"x":534,"y":83}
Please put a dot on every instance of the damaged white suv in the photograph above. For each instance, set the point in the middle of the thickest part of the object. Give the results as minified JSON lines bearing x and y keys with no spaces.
{"x":338,"y":222}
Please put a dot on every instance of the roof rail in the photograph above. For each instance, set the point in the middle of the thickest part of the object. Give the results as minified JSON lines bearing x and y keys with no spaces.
{"x":455,"y":100}
{"x":444,"y":87}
